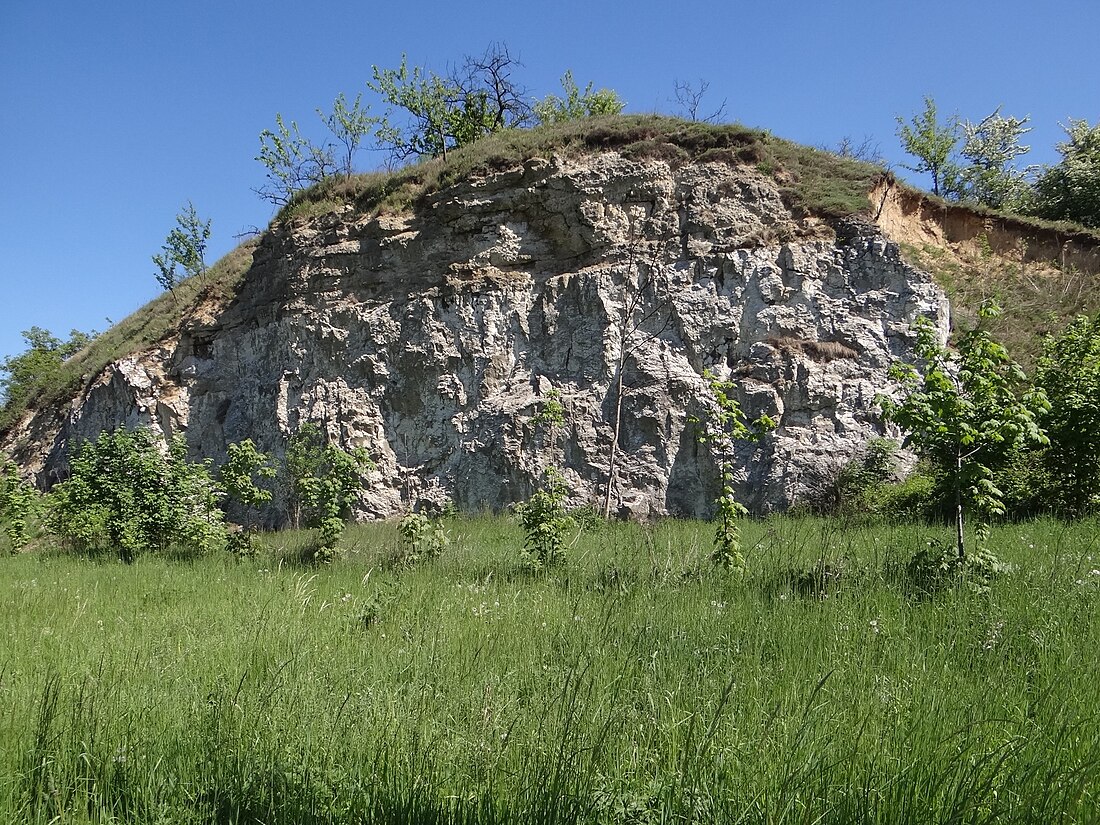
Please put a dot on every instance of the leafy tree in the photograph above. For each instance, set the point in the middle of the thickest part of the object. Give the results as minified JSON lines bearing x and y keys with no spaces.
{"x":243,"y":466}
{"x":39,"y":365}
{"x":724,"y":424}
{"x":325,"y":481}
{"x":18,"y":502}
{"x":1069,"y":374}
{"x":126,"y":493}
{"x":546,"y":522}
{"x":576,"y":105}
{"x":350,"y":126}
{"x":294,"y":163}
{"x":932,"y":143}
{"x":966,"y":413}
{"x":991,"y":147}
{"x":445,"y":113}
{"x":237,"y":476}
{"x":1070,"y":190}
{"x":185,"y":247}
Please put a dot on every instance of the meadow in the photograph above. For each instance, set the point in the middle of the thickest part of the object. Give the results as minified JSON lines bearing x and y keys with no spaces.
{"x":634,"y":684}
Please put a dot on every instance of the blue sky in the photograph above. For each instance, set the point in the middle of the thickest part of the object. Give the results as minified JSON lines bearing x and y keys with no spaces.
{"x":113,"y":115}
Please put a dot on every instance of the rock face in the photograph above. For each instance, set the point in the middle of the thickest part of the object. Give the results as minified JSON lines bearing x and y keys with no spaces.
{"x":433,"y":338}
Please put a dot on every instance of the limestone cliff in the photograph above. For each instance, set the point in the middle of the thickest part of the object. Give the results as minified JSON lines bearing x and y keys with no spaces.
{"x":429,"y":337}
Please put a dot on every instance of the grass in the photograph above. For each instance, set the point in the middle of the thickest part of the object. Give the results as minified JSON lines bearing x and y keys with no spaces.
{"x":634,"y":685}
{"x":811,"y":181}
{"x":153,"y":323}
{"x":1037,"y":301}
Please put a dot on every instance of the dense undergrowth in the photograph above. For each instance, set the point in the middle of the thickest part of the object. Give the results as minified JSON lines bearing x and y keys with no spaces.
{"x":636,"y":683}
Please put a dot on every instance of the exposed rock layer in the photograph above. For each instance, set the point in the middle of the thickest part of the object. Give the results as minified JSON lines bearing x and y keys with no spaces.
{"x":432,"y":337}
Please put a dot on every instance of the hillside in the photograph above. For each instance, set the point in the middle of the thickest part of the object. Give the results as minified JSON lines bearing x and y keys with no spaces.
{"x":426,"y":315}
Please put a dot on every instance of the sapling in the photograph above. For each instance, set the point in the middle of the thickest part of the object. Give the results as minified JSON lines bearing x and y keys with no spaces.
{"x":966,"y":412}
{"x":724,"y":424}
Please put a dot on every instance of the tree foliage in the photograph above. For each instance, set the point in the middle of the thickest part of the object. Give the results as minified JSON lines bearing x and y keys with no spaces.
{"x":966,"y":412}
{"x":724,"y":424}
{"x":18,"y":502}
{"x":185,"y":247}
{"x":1070,"y":190}
{"x":990,"y":148}
{"x":575,"y":104}
{"x":1069,"y":375}
{"x":292,"y":161}
{"x":445,"y":112}
{"x":126,"y":493}
{"x":546,"y":522}
{"x":351,"y":126}
{"x":931,"y":143}
{"x":39,"y":364}
{"x":325,"y":481}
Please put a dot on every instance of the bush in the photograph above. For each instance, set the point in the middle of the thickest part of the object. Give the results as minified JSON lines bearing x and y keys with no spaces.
{"x":422,"y":538}
{"x":18,"y":503}
{"x":939,"y":567}
{"x":918,"y":497}
{"x":546,"y":522}
{"x":125,"y":493}
{"x":325,"y":481}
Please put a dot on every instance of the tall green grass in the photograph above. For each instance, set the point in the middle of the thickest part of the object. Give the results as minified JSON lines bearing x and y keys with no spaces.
{"x":635,"y":684}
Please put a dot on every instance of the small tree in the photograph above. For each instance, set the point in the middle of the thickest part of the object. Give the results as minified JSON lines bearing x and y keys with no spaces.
{"x":991,"y":147}
{"x":350,"y":126}
{"x":1070,"y":190}
{"x":546,"y":521}
{"x":932,"y":143}
{"x":126,"y":493}
{"x":294,"y":163}
{"x":185,"y":247}
{"x":966,"y":413}
{"x":444,"y":113}
{"x":643,"y":316}
{"x":39,"y":365}
{"x":18,"y":503}
{"x":325,"y":481}
{"x":576,"y":104}
{"x":1069,"y":374}
{"x":724,"y":424}
{"x":243,"y":466}
{"x":689,"y":97}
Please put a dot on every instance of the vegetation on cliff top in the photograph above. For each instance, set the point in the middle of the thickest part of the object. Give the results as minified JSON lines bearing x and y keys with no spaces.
{"x":813,"y":182}
{"x":144,"y":328}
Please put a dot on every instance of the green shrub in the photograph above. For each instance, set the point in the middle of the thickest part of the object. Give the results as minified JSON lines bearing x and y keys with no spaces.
{"x":917,"y":497}
{"x":124,"y":493}
{"x":938,"y":567}
{"x":422,"y":538}
{"x":546,"y":522}
{"x":324,"y":482}
{"x":18,"y":503}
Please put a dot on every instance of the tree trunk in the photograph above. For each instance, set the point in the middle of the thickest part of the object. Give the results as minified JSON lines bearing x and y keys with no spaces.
{"x":959,"y":506}
{"x":615,"y":433}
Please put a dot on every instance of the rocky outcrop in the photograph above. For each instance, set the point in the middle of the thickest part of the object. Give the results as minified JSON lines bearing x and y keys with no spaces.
{"x":432,"y":337}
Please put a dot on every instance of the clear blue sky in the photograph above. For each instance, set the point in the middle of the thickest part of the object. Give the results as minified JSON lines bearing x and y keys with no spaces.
{"x":114,"y":114}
